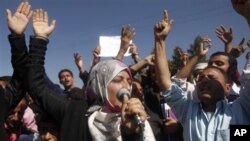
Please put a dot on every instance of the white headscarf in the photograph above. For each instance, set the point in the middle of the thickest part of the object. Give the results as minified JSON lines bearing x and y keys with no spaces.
{"x":101,"y":75}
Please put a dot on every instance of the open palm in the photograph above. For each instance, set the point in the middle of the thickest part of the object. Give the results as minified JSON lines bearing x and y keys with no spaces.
{"x":40,"y":24}
{"x":19,"y":21}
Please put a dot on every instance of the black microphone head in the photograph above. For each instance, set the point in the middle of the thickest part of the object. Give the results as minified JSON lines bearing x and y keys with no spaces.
{"x":122,"y":92}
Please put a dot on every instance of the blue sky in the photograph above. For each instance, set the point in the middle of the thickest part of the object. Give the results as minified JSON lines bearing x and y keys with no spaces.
{"x":81,"y":22}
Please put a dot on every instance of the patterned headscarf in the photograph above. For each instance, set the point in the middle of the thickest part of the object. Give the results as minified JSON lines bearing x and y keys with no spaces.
{"x":102,"y":74}
{"x":102,"y":125}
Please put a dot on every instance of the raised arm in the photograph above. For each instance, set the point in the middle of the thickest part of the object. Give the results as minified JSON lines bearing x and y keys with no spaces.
{"x":83,"y":74}
{"x":38,"y":47}
{"x":203,"y":49}
{"x":14,"y":90}
{"x":17,"y":24}
{"x":41,"y":88}
{"x":137,"y":67}
{"x":79,"y":62}
{"x":184,"y":58}
{"x":127,"y":34}
{"x":161,"y":31}
{"x":134,"y":53}
{"x":96,"y":56}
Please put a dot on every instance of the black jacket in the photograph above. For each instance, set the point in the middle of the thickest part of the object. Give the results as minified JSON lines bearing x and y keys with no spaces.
{"x":67,"y":113}
{"x":16,"y":89}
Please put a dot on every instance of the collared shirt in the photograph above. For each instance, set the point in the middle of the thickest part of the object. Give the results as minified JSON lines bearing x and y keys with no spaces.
{"x":186,"y":86}
{"x":196,"y":124}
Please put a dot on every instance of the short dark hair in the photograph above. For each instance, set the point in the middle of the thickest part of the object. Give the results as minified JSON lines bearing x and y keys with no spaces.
{"x":65,"y":70}
{"x":225,"y":74}
{"x":233,"y":66}
{"x":5,"y":78}
{"x":231,"y":60}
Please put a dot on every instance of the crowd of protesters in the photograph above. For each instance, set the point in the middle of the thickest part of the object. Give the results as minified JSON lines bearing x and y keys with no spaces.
{"x":118,"y":101}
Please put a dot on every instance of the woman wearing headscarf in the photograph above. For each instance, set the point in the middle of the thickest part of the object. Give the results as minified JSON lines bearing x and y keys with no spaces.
{"x":109,"y":80}
{"x":113,"y":119}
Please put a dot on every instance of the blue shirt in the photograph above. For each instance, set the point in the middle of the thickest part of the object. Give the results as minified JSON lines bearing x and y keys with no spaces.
{"x":197,"y":126}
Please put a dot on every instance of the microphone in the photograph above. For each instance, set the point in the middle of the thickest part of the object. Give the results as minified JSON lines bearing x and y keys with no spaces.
{"x":123,"y":92}
{"x":120,"y":95}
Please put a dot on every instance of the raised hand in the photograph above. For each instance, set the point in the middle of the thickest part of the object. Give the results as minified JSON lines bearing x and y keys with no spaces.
{"x":162,"y":28}
{"x":79,"y":62}
{"x":97,"y":51}
{"x":41,"y":27}
{"x":225,"y":35}
{"x":184,"y":57}
{"x":133,"y":49}
{"x":18,"y":22}
{"x":128,"y":32}
{"x":204,"y":47}
{"x":134,"y":53}
{"x":239,"y":49}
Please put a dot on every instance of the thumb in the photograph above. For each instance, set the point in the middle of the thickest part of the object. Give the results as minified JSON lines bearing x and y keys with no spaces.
{"x":52,"y":25}
{"x":124,"y":105}
{"x":8,"y":14}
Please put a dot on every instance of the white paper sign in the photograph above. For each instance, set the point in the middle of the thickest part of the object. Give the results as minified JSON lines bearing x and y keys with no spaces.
{"x":110,"y":46}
